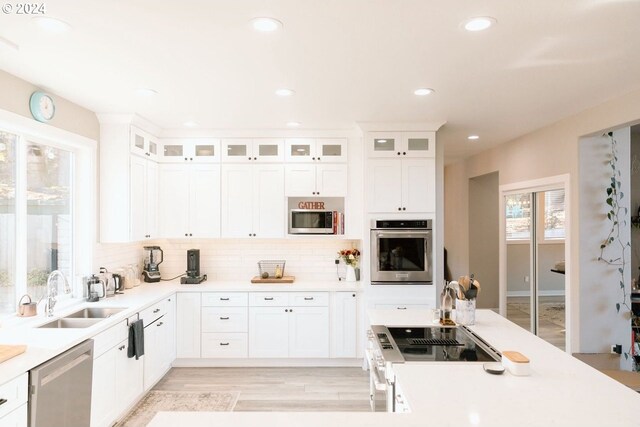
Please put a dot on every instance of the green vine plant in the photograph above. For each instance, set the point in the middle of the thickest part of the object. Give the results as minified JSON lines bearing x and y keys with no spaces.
{"x":617,"y":215}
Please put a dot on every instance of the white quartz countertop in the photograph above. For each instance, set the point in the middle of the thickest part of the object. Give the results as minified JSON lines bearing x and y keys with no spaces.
{"x":560,"y":391}
{"x":45,"y":343}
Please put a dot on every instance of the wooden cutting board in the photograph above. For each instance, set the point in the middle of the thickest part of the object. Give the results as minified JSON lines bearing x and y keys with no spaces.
{"x":285,"y":280}
{"x":9,"y":351}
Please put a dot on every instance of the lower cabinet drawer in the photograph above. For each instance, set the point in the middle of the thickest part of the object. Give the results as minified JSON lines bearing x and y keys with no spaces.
{"x":16,"y":418}
{"x":153,"y":313}
{"x":309,"y":299}
{"x":403,"y":306}
{"x":224,"y":345}
{"x":225,"y":319}
{"x":108,"y":339}
{"x":14,"y":393}
{"x":269,"y":299}
{"x":224,"y":299}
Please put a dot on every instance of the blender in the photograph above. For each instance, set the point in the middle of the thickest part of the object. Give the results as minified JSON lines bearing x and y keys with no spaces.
{"x":153,"y":257}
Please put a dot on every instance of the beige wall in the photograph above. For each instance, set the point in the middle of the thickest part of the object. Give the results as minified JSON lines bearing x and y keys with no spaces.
{"x":14,"y":97}
{"x":549,"y":151}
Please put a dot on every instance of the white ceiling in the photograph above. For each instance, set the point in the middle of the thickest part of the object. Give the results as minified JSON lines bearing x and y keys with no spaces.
{"x":348,"y":60}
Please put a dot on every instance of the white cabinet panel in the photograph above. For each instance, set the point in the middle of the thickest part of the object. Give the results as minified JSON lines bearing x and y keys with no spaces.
{"x":268,"y":150}
{"x":384,"y":144}
{"x":268,"y":332}
{"x":170,"y":338}
{"x":300,"y":150}
{"x":309,"y":299}
{"x":225,"y":299}
{"x":190,"y":150}
{"x":269,"y":214}
{"x":237,"y":150}
{"x":217,"y":345}
{"x":418,"y":185}
{"x":103,"y":389}
{"x":309,"y":332}
{"x":225,"y":319}
{"x":401,"y":144}
{"x":237,"y":204}
{"x":269,"y":299}
{"x":385,"y":181}
{"x":16,"y":418}
{"x":14,"y":394}
{"x":138,"y":176}
{"x":332,"y":150}
{"x":129,"y":378}
{"x":173,"y":201}
{"x":151,"y":206}
{"x":188,"y":324}
{"x":204,"y":201}
{"x":300,"y":180}
{"x":331,"y":180}
{"x":344,"y":324}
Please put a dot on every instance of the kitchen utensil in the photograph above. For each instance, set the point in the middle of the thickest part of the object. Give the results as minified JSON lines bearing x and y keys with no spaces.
{"x":27,"y":309}
{"x":118,"y":280}
{"x":130,"y":277}
{"x":152,"y":259}
{"x":9,"y":351}
{"x":283,"y":280}
{"x":109,"y":283}
{"x":96,"y":288}
{"x":494,"y":368}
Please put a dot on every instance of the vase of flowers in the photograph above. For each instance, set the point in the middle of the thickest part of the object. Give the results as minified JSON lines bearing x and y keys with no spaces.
{"x":350,"y":258}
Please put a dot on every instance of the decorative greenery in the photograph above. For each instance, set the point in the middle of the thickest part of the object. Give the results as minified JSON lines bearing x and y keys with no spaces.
{"x":617,"y":215}
{"x":350,"y":256}
{"x":37,"y":277}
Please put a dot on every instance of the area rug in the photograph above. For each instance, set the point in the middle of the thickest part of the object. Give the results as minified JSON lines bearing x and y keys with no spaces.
{"x":550,"y":311}
{"x":156,"y":401}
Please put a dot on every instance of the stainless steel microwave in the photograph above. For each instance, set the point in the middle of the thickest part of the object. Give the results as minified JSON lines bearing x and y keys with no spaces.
{"x":311,"y":221}
{"x":401,"y":252}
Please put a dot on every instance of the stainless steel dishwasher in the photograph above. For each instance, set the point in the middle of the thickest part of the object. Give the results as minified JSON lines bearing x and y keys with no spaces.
{"x":60,"y":389}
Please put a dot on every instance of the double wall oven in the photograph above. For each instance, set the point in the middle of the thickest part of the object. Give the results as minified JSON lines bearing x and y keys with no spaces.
{"x":401,"y":252}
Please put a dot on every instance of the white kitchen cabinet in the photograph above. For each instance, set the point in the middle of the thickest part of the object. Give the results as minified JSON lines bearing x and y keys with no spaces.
{"x":252,"y":150}
{"x":17,"y":418}
{"x":401,"y":185}
{"x":189,"y":201}
{"x":224,"y":345}
{"x":143,"y":199}
{"x":129,"y":378}
{"x":319,"y":150}
{"x":190,"y":150}
{"x":253,"y":202}
{"x":104,"y":386}
{"x":143,"y":144}
{"x":170,"y":338}
{"x":326,"y":180}
{"x":401,"y":144}
{"x":309,"y":332}
{"x":268,"y":332}
{"x":14,"y":395}
{"x":156,"y":352}
{"x":188,"y":324}
{"x":344,"y":325}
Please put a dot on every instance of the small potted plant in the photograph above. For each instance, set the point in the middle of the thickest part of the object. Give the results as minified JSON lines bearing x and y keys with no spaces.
{"x":350,"y":258}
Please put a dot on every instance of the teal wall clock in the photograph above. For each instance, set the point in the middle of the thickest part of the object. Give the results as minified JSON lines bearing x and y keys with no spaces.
{"x":42,"y":106}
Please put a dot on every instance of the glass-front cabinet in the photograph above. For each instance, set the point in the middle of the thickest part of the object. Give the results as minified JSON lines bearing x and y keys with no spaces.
{"x":193,"y":150}
{"x":252,"y":150}
{"x":310,"y":150}
{"x":144,"y":144}
{"x":401,"y":144}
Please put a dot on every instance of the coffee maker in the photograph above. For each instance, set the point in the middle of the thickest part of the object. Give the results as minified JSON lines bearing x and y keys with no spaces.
{"x":153,"y":257}
{"x":193,"y":269}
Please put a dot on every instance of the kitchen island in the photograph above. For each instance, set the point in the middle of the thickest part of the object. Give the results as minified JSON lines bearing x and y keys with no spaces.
{"x":561,"y":390}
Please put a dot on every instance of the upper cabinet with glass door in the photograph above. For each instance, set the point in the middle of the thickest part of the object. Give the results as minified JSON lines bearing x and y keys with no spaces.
{"x":190,"y":150}
{"x":252,"y":150}
{"x":143,"y":144}
{"x":316,"y":150}
{"x":401,"y":144}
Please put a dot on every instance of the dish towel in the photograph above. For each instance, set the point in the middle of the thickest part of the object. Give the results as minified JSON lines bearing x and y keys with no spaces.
{"x":136,"y":339}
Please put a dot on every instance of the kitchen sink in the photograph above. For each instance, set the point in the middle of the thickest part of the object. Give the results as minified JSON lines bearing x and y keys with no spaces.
{"x":94,"y":313}
{"x":65,"y":323}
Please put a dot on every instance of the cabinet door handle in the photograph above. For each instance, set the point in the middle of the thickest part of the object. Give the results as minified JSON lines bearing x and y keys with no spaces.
{"x":353,"y":295}
{"x":160,"y":324}
{"x":308,"y":298}
{"x":185,"y":159}
{"x":398,"y":153}
{"x":268,"y":298}
{"x":147,"y":154}
{"x":3,"y":401}
{"x":404,"y":153}
{"x":191,"y":158}
{"x":156,"y":310}
{"x":224,"y":343}
{"x":255,"y":158}
{"x":121,"y":348}
{"x":399,"y":209}
{"x":313,"y":158}
{"x":286,"y":310}
{"x":404,"y":209}
{"x":291,"y":310}
{"x":224,"y":299}
{"x":224,"y":318}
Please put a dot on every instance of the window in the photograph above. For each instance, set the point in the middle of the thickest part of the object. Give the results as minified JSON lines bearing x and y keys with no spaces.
{"x":44,"y":225}
{"x":554,"y":215}
{"x":518,"y":215}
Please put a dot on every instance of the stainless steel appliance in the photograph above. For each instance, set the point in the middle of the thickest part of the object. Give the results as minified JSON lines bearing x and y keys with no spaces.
{"x":153,"y":257}
{"x":60,"y":389}
{"x":401,"y":252}
{"x":193,"y":269}
{"x":390,"y":345}
{"x":311,"y":221}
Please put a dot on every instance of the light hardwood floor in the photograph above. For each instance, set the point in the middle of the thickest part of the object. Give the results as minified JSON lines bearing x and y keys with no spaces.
{"x":278,"y":389}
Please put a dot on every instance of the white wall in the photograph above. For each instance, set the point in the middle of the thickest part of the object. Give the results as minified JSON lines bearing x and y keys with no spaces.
{"x":601,"y":325}
{"x":518,"y":256}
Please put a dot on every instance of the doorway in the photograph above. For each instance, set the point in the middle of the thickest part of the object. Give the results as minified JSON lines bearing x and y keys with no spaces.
{"x":533,"y":245}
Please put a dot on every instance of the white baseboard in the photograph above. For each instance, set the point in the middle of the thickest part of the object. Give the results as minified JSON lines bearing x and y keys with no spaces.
{"x":254,"y":363}
{"x":552,"y":293}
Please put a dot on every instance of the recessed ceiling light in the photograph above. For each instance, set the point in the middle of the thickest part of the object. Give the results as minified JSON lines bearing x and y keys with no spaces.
{"x":293,"y":124}
{"x":190,"y":124}
{"x":423,"y":91}
{"x":51,"y":25}
{"x":285,"y":92}
{"x":473,"y":137}
{"x":266,"y":25}
{"x":145,"y":91}
{"x":479,"y":23}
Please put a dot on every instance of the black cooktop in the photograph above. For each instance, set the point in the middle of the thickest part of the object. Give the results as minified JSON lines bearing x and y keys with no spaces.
{"x":440,"y":344}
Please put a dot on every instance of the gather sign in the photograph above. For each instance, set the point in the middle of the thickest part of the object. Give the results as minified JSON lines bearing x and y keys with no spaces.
{"x":311,"y":205}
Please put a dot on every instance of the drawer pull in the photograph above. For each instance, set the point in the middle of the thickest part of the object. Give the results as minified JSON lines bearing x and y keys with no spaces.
{"x":160,"y":324}
{"x":3,"y":401}
{"x":268,"y":298}
{"x":308,"y":298}
{"x":224,"y":299}
{"x":401,"y":308}
{"x":224,"y":318}
{"x":224,"y":343}
{"x":121,"y":348}
{"x":156,"y":310}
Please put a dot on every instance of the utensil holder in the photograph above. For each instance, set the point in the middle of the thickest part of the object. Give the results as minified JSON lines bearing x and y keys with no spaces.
{"x":465,"y":311}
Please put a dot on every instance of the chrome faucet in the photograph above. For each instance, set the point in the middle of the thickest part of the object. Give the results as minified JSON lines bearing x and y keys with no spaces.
{"x":52,"y":291}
